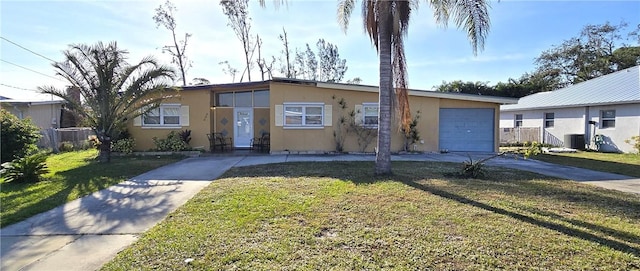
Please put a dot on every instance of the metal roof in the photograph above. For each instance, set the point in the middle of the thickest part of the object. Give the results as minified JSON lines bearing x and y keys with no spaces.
{"x":620,"y":87}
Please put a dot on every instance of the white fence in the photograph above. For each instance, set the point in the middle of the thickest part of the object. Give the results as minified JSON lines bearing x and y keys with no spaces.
{"x":52,"y":138}
{"x":519,"y":135}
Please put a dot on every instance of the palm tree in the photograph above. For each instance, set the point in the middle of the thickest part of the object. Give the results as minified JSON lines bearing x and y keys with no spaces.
{"x":112,"y":90}
{"x":386,"y":22}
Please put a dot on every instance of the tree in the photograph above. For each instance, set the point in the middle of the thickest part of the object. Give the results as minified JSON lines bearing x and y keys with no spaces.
{"x":237,"y":12}
{"x":527,"y":84}
{"x":229,"y":70}
{"x":598,"y":50}
{"x":307,"y":64}
{"x":331,"y":68}
{"x":199,"y":81}
{"x":458,"y":86}
{"x":265,"y":68}
{"x":113,"y":90}
{"x":324,"y":65}
{"x":164,"y":16}
{"x":19,"y":136}
{"x":287,"y":67}
{"x":386,"y":22}
{"x":355,"y":80}
{"x":626,"y":57}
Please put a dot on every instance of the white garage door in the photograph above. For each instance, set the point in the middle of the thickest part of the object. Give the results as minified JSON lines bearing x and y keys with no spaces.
{"x":467,"y":129}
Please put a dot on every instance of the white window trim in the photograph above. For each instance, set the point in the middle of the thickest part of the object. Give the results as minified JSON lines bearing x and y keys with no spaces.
{"x":304,"y":114}
{"x":162,"y":125}
{"x":364,"y":115}
{"x":602,"y":119}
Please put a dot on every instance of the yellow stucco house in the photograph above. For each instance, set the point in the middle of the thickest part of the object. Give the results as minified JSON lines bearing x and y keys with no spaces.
{"x":303,"y":116}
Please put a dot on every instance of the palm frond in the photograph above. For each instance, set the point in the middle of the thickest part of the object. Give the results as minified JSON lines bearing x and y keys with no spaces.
{"x":473,"y":17}
{"x":370,"y":19}
{"x":401,"y":84}
{"x":111,"y":88}
{"x":345,"y":8}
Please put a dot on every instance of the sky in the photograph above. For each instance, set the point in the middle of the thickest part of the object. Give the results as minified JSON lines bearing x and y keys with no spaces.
{"x":520,"y":31}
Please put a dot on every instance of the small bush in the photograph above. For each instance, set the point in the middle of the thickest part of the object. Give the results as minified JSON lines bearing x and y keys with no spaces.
{"x":86,"y":145}
{"x":475,"y":169}
{"x":66,"y":146}
{"x":19,"y":137}
{"x":635,"y":142}
{"x":125,"y":145}
{"x":471,"y":169}
{"x":26,"y":169}
{"x":173,"y":142}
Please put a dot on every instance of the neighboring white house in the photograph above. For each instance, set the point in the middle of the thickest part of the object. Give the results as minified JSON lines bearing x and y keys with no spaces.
{"x":44,"y":110}
{"x":605,"y":109}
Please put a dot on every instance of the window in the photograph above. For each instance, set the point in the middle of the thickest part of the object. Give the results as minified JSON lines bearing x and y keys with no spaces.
{"x":303,"y":115}
{"x":165,"y":115}
{"x":518,"y":120}
{"x":243,"y":99}
{"x":370,"y":115}
{"x":608,"y":118}
{"x":549,"y":120}
{"x":261,"y":98}
{"x":258,"y":98}
{"x":224,"y":99}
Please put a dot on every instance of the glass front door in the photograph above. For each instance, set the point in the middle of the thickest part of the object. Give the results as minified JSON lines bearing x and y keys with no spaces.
{"x":243,"y":128}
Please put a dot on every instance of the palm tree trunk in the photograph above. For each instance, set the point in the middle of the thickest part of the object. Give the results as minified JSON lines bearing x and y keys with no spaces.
{"x":383,"y":151}
{"x":104,"y":154}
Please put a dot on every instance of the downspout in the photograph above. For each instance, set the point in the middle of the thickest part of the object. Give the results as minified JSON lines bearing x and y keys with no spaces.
{"x":587,"y":134}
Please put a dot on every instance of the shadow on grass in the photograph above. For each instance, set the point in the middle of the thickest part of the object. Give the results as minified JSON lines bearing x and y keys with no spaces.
{"x":631,"y":238}
{"x":592,"y":164}
{"x":507,"y":181}
{"x":71,"y":184}
{"x":613,"y":244}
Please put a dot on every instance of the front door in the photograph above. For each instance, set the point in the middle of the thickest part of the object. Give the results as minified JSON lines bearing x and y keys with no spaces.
{"x":243,"y":128}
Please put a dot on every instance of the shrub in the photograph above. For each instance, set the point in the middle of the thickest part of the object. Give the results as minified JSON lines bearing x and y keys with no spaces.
{"x":475,"y":169}
{"x":66,"y":146}
{"x":471,"y":169}
{"x":19,"y":137}
{"x":86,"y":145}
{"x":25,"y":169}
{"x":185,"y":136}
{"x":635,"y":142}
{"x":173,"y":142}
{"x":125,"y":145}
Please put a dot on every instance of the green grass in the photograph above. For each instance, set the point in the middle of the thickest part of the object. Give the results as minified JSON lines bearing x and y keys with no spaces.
{"x":619,"y":163}
{"x":338,"y":216}
{"x":72,"y":175}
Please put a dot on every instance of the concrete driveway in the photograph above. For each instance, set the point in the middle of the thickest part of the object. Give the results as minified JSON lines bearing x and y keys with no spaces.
{"x":88,"y":232}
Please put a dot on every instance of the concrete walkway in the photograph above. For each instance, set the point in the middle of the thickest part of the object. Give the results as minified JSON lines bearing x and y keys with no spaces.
{"x":88,"y":232}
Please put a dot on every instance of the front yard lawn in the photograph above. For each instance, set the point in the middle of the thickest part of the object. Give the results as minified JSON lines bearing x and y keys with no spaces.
{"x":625,"y":164}
{"x":72,"y":175}
{"x":338,"y":216}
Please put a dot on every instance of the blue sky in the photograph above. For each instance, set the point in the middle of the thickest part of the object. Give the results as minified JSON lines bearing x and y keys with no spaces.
{"x":520,"y":31}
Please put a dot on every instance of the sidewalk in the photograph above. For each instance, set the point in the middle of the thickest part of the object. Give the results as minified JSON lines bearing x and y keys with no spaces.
{"x":88,"y":232}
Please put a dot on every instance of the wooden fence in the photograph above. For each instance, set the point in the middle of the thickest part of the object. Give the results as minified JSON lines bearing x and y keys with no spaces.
{"x":53,"y":138}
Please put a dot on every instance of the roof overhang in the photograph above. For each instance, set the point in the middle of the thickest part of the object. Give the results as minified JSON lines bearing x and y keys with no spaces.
{"x":351,"y":87}
{"x":30,"y":102}
{"x":425,"y":93}
{"x":566,"y":106}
